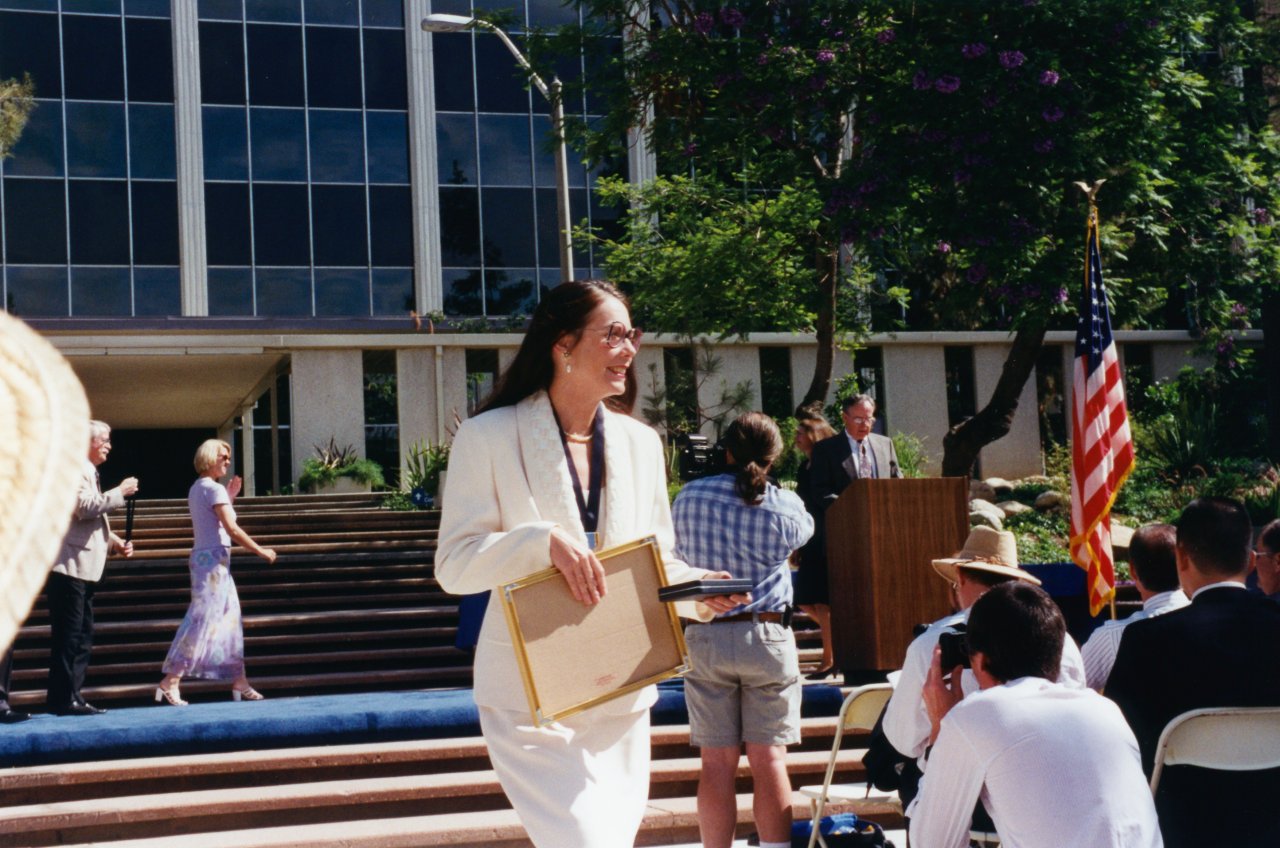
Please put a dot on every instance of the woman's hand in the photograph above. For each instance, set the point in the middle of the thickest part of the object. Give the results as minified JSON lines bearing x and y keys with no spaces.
{"x":269,"y":555}
{"x":581,"y":568}
{"x":723,"y":603}
{"x":234,"y":485}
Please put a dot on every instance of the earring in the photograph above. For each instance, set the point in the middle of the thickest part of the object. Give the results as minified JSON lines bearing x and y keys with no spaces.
{"x":568,"y":368}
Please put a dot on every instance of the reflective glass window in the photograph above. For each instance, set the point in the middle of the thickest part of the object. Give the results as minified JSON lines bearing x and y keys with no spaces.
{"x":385,"y":81}
{"x":226,"y":224}
{"x":150,"y":8}
{"x":551,"y":13}
{"x":279,"y":11}
{"x":548,"y":226}
{"x":92,"y":57}
{"x":151,"y":142}
{"x":226,"y":146}
{"x":544,"y":158}
{"x":342,"y":292}
{"x":95,"y":139}
{"x":275,"y":65}
{"x":99,"y":6}
{"x":333,"y":67}
{"x":29,"y":44}
{"x":332,"y":11}
{"x":387,"y":13}
{"x":388,"y":147}
{"x":38,"y":152}
{"x":452,"y":7}
{"x":279,"y":140}
{"x":451,"y":54}
{"x":281,"y":225}
{"x":392,"y":291}
{"x":463,"y":291}
{"x":337,"y":146}
{"x":221,"y":63}
{"x":226,"y":10}
{"x":459,"y":226}
{"x":507,"y":214}
{"x":284,"y":291}
{"x":391,"y":225}
{"x":511,"y":291}
{"x":39,"y":234}
{"x":150,"y":48}
{"x":157,"y":291}
{"x":37,"y":292}
{"x":456,"y":149}
{"x":32,"y":5}
{"x":99,"y":219}
{"x":155,"y":223}
{"x":339,"y":225}
{"x":100,"y":291}
{"x":500,"y":83}
{"x":230,"y":291}
{"x":504,"y":150}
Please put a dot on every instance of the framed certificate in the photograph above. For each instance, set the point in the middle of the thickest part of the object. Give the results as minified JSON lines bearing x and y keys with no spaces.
{"x":574,"y":656}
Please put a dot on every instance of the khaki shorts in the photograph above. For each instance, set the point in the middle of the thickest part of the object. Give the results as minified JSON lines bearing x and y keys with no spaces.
{"x":744,"y":685}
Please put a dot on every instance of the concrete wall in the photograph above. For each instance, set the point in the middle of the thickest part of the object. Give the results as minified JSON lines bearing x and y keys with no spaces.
{"x":916,"y":396}
{"x":416,"y":404}
{"x":328,"y":401}
{"x":738,"y":364}
{"x":1018,"y":453}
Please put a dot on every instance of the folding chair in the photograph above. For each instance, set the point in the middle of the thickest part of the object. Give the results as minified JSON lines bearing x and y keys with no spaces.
{"x":1222,"y":738}
{"x":859,"y":711}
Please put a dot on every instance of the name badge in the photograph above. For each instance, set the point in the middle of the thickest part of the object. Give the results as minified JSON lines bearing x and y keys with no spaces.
{"x":593,"y":541}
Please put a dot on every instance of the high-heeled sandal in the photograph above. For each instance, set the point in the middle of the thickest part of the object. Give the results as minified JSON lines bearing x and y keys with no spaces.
{"x":170,"y":696}
{"x":822,"y":673}
{"x":248,"y":694}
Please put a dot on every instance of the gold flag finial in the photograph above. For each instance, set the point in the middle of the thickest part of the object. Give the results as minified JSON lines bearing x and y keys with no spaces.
{"x":1090,"y":190}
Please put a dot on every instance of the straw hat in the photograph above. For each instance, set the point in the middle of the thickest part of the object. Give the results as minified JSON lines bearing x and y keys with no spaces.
{"x":986,"y":549}
{"x":44,"y":439}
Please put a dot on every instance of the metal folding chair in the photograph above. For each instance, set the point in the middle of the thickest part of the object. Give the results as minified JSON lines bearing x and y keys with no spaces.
{"x":1222,"y":738}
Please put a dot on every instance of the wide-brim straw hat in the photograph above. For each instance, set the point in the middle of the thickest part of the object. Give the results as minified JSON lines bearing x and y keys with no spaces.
{"x":986,"y":549}
{"x":44,"y":442}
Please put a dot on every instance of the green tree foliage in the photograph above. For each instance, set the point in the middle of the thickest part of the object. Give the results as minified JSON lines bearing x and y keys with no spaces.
{"x":17,"y":99}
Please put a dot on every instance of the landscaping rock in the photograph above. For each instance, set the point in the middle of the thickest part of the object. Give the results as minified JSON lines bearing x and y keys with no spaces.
{"x":1048,"y":500}
{"x":1012,"y":507}
{"x":979,"y":490}
{"x":1000,"y":487}
{"x":1121,"y":536}
{"x":1035,"y":480}
{"x":985,"y":513}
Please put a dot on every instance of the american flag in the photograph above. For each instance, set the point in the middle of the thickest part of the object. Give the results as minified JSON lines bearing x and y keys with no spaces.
{"x":1101,"y":448}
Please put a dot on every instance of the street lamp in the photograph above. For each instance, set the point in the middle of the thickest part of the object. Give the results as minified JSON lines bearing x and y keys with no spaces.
{"x":454,"y":23}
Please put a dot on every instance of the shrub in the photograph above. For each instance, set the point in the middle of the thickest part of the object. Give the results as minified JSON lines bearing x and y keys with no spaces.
{"x":911,"y":454}
{"x":332,"y":462}
{"x":424,"y":465}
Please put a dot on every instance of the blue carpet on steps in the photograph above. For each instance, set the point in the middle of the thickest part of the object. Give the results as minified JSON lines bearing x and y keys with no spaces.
{"x":157,"y":731}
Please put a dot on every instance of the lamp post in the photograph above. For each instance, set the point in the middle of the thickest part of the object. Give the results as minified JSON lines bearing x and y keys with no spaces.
{"x":454,"y":23}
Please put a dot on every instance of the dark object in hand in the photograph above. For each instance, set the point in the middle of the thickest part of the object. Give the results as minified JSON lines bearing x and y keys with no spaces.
{"x":955,"y":648}
{"x":696,"y":590}
{"x":698,"y":457}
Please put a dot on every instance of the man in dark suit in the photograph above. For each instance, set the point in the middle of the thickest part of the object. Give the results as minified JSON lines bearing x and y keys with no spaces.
{"x":1218,"y":652}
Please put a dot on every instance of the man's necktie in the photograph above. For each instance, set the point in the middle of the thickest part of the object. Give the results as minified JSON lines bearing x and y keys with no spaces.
{"x":864,"y":466}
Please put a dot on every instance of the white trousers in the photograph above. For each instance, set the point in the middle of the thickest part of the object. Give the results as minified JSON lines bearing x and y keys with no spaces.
{"x":579,"y":783}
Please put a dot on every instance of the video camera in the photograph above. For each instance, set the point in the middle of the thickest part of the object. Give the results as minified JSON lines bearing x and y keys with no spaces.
{"x":955,"y":647}
{"x":698,"y":457}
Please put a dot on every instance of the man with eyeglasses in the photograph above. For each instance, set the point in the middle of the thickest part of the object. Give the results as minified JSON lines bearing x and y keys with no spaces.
{"x":1266,"y":560}
{"x":75,"y":577}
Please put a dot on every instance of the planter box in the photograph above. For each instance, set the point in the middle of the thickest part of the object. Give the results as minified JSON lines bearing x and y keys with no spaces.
{"x":344,"y":486}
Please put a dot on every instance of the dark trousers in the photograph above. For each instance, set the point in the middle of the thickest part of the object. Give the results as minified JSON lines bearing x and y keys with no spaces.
{"x":71,"y":637}
{"x":6,"y":677}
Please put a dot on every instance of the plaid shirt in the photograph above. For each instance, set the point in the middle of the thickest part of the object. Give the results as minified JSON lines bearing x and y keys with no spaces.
{"x":716,"y":529}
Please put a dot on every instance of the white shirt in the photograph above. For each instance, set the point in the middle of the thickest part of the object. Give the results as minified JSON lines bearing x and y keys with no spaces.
{"x":1054,"y":766}
{"x":906,"y":722}
{"x":1099,"y":651}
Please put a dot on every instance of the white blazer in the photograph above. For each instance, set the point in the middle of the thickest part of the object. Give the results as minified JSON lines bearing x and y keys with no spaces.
{"x":87,"y":543}
{"x":508,"y":485}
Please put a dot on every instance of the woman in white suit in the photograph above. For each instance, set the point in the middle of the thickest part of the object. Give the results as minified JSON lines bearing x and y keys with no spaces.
{"x":551,"y":469}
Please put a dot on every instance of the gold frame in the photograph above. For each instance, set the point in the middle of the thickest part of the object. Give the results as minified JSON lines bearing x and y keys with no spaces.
{"x":629,"y":627}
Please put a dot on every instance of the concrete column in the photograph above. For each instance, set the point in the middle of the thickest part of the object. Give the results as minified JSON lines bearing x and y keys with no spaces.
{"x":249,"y":458}
{"x":803,"y":360}
{"x":505,"y":355}
{"x":738,"y":364}
{"x":328,"y":402}
{"x":1168,"y":358}
{"x":454,"y":373}
{"x":188,"y":130}
{"x":915,"y":388}
{"x":1018,"y":453}
{"x":428,"y":288}
{"x":416,"y":407}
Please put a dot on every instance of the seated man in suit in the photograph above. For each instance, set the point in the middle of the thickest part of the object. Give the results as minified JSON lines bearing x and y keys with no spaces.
{"x":1052,"y":765}
{"x":1155,"y":573}
{"x":1220,"y":651}
{"x":1266,"y":560}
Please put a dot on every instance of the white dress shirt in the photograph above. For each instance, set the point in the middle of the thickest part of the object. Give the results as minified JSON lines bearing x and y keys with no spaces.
{"x":1099,"y":651}
{"x":1054,"y":766}
{"x":906,"y":723}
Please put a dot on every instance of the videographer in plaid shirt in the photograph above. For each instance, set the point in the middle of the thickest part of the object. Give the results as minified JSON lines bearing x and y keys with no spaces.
{"x":744,"y":685}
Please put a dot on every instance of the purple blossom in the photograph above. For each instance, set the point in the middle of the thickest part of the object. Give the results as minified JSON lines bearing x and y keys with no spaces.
{"x":1061,"y":296}
{"x":1226,"y":346}
{"x":817,"y":82}
{"x":1052,"y":114}
{"x":732,"y":17}
{"x":788,"y":50}
{"x":944,"y":247}
{"x":703,"y":23}
{"x":1239,"y":309}
{"x":1044,"y":145}
{"x":886,"y":36}
{"x":973,"y":51}
{"x":1261,"y":216}
{"x":977,"y":273}
{"x":691,"y":148}
{"x":762,"y":59}
{"x":947,"y":83}
{"x":989,"y":101}
{"x":825,"y":57}
{"x":921,"y":81}
{"x":1049,"y":77}
{"x":1012,"y":59}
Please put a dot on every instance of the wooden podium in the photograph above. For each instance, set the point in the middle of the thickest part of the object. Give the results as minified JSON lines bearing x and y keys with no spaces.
{"x":882,"y":535}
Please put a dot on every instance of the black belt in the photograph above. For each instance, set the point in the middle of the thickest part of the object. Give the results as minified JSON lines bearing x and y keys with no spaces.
{"x":783,"y":618}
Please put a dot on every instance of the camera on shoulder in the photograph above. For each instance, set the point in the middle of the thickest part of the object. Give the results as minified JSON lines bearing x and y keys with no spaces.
{"x":955,"y":647}
{"x":698,"y":457}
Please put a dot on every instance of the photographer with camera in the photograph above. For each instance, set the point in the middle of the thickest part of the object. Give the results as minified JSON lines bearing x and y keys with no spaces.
{"x":743,"y":688}
{"x":1052,"y":765}
{"x":989,"y":558}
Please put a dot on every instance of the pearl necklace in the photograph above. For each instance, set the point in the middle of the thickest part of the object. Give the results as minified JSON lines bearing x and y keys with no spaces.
{"x":576,"y":438}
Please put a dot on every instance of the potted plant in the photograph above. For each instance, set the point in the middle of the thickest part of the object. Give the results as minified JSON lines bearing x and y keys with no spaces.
{"x":424,"y":473}
{"x":337,"y":470}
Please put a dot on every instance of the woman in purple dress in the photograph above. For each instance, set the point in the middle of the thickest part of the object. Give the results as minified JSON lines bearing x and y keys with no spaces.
{"x":210,"y":641}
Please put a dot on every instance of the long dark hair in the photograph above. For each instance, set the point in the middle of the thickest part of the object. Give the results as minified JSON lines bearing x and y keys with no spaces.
{"x":563,"y":311}
{"x":754,"y":442}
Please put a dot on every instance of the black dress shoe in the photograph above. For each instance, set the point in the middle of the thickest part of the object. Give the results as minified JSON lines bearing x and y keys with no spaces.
{"x":81,"y":709}
{"x":8,"y":716}
{"x":822,"y":673}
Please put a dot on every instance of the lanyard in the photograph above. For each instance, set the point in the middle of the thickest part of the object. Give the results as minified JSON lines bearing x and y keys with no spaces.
{"x":588,"y":507}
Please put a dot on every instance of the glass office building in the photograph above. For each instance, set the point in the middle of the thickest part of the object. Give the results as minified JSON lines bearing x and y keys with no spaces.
{"x":273,"y":158}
